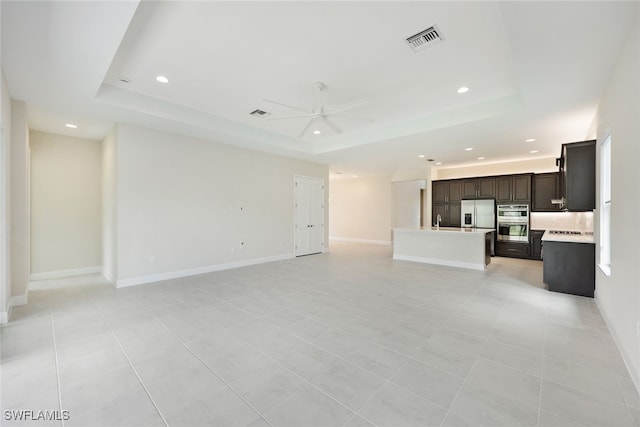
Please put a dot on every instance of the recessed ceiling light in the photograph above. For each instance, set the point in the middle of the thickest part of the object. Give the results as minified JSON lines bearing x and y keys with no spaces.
{"x":530,"y":140}
{"x":71,"y":125}
{"x":316,"y":132}
{"x":421,"y":156}
{"x":438,"y":163}
{"x":162,"y":79}
{"x":355,"y":176}
{"x":463,"y":89}
{"x":468,"y":149}
{"x":533,"y":151}
{"x":481,"y":158}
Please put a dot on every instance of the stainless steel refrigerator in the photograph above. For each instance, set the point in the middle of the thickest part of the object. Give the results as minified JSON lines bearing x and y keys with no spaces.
{"x":479,"y":214}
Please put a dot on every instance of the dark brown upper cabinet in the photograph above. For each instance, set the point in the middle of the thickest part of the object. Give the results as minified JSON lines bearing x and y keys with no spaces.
{"x":486,"y":188}
{"x":446,"y":196}
{"x":544,"y":187}
{"x":447,"y":191}
{"x":513,"y":188}
{"x":479,"y":188}
{"x":469,"y":188}
{"x":578,"y":175}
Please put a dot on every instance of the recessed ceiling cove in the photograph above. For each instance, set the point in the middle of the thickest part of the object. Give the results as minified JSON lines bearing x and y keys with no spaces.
{"x":224,"y":60}
{"x":534,"y":69}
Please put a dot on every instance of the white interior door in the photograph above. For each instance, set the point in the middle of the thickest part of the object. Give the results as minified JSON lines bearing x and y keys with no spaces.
{"x":309,"y":216}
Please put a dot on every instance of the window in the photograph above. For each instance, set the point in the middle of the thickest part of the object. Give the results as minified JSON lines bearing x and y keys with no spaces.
{"x":605,"y":206}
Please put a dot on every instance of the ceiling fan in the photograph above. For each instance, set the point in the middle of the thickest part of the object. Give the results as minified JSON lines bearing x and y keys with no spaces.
{"x":318,"y":113}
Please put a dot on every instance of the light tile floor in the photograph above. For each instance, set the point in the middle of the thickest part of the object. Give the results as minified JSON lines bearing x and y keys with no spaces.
{"x":349,"y":338}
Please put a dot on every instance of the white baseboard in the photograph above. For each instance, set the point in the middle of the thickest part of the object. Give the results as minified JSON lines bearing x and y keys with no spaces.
{"x":65,"y":273}
{"x":350,"y":239}
{"x":107,"y":275}
{"x":17,"y":301}
{"x":123,"y":283}
{"x":635,"y":375}
{"x":13,"y":302}
{"x":446,"y":263}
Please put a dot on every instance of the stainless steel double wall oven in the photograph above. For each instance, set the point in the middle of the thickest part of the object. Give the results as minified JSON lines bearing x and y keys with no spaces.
{"x":513,"y":223}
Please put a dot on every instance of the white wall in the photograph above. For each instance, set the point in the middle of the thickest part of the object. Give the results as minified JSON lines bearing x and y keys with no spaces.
{"x":506,"y":168}
{"x":360,"y":209}
{"x":5,"y":137}
{"x":618,"y":295}
{"x":405,"y":203}
{"x":65,"y":205}
{"x":179,"y":200}
{"x":19,"y":209}
{"x":109,"y":189}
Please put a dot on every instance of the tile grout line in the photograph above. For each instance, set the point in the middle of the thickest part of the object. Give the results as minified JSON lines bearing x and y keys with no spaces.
{"x":408,"y":356}
{"x":153,"y":402}
{"x":624,"y":396}
{"x":464,"y":381}
{"x":544,"y":345}
{"x":55,"y":356}
{"x":356,"y":413}
{"x":317,"y":346}
{"x":229,"y":386}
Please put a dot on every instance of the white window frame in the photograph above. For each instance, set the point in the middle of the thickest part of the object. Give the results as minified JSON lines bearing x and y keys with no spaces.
{"x":605,"y":206}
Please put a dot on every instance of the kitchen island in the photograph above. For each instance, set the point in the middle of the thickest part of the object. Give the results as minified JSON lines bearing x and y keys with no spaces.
{"x":449,"y":246}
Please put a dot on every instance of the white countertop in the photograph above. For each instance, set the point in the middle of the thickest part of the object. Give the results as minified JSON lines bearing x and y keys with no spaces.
{"x":570,"y":238}
{"x":447,"y":229}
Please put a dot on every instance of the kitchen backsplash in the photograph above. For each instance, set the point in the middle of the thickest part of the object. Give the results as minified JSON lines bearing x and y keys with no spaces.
{"x":582,"y":221}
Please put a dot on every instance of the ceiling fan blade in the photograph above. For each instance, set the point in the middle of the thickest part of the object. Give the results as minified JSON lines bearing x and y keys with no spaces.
{"x":287,"y":106}
{"x":289,"y":117}
{"x":362,"y":119}
{"x":332,"y":125}
{"x":306,"y":128}
{"x":346,"y":107}
{"x":317,"y":90}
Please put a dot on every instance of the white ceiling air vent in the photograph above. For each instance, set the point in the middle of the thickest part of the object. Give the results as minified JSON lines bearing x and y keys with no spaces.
{"x":425,"y":38}
{"x":258,"y":113}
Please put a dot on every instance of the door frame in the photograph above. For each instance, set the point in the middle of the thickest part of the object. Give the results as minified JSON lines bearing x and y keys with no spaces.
{"x":295,"y":219}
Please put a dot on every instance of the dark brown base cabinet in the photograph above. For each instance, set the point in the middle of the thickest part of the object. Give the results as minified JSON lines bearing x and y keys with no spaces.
{"x":531,"y":250}
{"x":535,"y":249}
{"x":513,"y":249}
{"x":570,"y":267}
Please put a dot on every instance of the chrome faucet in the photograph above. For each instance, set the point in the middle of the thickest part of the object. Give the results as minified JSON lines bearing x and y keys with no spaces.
{"x":438,"y":219}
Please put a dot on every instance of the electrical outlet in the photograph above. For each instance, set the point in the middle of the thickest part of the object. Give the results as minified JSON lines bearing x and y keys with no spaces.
{"x":637,"y":327}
